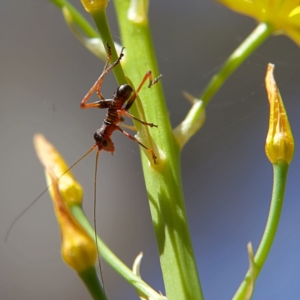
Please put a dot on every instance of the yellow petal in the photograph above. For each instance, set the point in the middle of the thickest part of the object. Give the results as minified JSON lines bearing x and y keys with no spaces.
{"x":241,"y":6}
{"x":50,"y":158}
{"x":295,"y":13}
{"x":280,"y":141}
{"x":282,"y":15}
{"x":294,"y":34}
{"x":78,"y":249}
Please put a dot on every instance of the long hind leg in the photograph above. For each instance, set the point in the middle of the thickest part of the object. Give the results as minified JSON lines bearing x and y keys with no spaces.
{"x":137,"y":141}
{"x":97,"y":85}
{"x":127,"y":114}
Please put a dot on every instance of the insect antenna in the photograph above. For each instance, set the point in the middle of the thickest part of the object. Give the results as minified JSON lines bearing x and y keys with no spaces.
{"x":95,"y":222}
{"x":43,"y":192}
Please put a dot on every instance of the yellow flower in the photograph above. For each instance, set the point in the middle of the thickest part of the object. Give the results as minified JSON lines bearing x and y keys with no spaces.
{"x":282,"y":15}
{"x":78,"y":250}
{"x":50,"y":158}
{"x":280,"y":142}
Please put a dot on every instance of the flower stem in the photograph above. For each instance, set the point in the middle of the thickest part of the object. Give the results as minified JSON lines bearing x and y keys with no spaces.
{"x":280,"y":171}
{"x":163,"y":181}
{"x":111,"y":258}
{"x":82,"y":23}
{"x":251,"y":43}
{"x":100,"y":19}
{"x":91,"y":281}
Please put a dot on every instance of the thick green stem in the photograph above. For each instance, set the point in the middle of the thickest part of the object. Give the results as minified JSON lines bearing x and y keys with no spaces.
{"x":163,"y":180}
{"x":280,"y":171}
{"x":91,"y":281}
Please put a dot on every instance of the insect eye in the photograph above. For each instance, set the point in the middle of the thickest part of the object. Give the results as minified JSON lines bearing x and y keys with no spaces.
{"x":97,"y":137}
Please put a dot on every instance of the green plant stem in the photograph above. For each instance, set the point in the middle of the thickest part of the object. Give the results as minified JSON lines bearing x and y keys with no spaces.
{"x":111,"y":258}
{"x":82,"y":23}
{"x":100,"y":19}
{"x":91,"y":281}
{"x":280,"y":171}
{"x":163,"y":181}
{"x":251,"y":43}
{"x":244,"y":50}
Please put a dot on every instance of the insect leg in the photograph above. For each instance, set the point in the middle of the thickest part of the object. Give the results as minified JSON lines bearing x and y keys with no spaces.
{"x":93,"y":88}
{"x":107,"y":69}
{"x":127,"y":114}
{"x":130,"y":127}
{"x":137,"y":141}
{"x":151,"y":82}
{"x":97,"y":85}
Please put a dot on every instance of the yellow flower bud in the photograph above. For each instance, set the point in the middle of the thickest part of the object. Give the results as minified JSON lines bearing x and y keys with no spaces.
{"x":280,"y":141}
{"x":50,"y":158}
{"x":78,"y":249}
{"x":94,"y":5}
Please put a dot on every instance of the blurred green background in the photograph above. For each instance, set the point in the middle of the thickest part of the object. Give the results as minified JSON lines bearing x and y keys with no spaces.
{"x":45,"y":72}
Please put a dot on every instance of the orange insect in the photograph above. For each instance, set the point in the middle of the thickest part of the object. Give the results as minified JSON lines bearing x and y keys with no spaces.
{"x":115,"y":108}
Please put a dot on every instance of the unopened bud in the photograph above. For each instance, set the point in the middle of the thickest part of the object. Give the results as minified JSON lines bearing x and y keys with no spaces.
{"x":94,"y":5}
{"x":280,"y":142}
{"x":50,"y":158}
{"x":78,"y":249}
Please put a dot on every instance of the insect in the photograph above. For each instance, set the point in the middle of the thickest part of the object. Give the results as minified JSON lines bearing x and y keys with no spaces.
{"x":117,"y":107}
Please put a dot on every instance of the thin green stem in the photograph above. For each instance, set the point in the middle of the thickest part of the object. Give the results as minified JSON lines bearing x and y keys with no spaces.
{"x":244,"y":50}
{"x":83,"y":30}
{"x":82,"y":23}
{"x":251,"y":43}
{"x":99,"y":16}
{"x":112,"y":259}
{"x":280,"y":171}
{"x":91,"y":281}
{"x":163,"y":181}
{"x":100,"y":19}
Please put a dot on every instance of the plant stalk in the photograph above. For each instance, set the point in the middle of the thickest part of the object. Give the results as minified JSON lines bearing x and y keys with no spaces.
{"x":280,"y":171}
{"x":163,"y":181}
